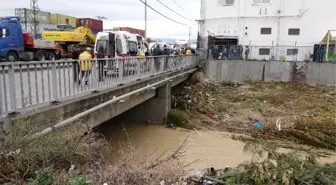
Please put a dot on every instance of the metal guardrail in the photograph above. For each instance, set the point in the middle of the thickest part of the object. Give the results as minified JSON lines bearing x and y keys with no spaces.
{"x":27,"y":84}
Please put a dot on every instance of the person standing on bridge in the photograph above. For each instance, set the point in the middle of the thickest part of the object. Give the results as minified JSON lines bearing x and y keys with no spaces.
{"x":85,"y":64}
{"x":101,"y":63}
{"x":157,"y":53}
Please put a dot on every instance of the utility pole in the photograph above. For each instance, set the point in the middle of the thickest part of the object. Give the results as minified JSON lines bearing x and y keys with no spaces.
{"x":34,"y":19}
{"x":189,"y":36}
{"x":145,"y":19}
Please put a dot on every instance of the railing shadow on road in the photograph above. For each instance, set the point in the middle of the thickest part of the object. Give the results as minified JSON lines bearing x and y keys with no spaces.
{"x":29,"y":84}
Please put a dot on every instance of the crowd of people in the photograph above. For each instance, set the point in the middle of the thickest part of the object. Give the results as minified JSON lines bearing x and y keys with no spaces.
{"x":230,"y":52}
{"x":157,"y":51}
{"x":83,"y":69}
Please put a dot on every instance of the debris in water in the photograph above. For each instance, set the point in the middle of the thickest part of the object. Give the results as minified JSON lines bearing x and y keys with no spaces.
{"x":278,"y":124}
{"x":257,"y":124}
{"x":210,"y":116}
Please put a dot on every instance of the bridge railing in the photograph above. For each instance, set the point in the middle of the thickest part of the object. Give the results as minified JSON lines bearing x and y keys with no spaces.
{"x":29,"y":84}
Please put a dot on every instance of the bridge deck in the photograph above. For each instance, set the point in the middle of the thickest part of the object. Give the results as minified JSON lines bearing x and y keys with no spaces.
{"x":27,"y":85}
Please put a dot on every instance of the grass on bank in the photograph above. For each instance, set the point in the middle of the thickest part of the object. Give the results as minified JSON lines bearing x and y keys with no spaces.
{"x":270,"y":166}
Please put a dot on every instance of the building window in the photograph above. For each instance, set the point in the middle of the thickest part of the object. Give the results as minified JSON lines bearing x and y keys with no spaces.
{"x":261,"y":1}
{"x":264,"y":51}
{"x":293,"y":31}
{"x":291,"y":52}
{"x":266,"y":31}
{"x":225,"y":2}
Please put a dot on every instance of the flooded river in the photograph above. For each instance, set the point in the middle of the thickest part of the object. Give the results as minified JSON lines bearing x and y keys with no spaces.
{"x":208,"y":148}
{"x":203,"y":148}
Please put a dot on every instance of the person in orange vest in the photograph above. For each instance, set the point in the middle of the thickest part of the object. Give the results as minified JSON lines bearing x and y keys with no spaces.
{"x":85,"y":65}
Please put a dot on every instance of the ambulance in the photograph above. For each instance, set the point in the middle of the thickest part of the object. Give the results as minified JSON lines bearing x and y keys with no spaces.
{"x":119,"y":44}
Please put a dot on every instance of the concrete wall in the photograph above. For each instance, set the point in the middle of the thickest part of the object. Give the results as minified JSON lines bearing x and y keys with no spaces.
{"x":312,"y":73}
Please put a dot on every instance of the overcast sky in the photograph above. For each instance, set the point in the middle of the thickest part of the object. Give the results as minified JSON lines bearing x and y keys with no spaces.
{"x":123,"y":13}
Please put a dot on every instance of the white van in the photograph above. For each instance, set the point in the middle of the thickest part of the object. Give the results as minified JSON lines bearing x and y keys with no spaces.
{"x":112,"y":44}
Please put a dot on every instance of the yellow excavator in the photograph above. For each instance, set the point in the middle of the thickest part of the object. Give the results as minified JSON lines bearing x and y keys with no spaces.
{"x":73,"y":41}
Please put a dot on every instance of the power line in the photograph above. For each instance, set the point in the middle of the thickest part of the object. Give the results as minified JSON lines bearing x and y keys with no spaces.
{"x":183,"y":10}
{"x":173,"y":10}
{"x":161,"y":13}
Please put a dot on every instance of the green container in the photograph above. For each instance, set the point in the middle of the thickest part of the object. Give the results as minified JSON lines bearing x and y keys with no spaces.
{"x":26,"y":16}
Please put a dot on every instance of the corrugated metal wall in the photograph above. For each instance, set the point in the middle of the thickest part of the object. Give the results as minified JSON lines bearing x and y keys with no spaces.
{"x":63,"y":19}
{"x":133,"y":30}
{"x":27,"y":14}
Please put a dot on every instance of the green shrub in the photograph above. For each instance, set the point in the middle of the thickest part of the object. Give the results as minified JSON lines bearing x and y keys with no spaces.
{"x":43,"y":177}
{"x":179,"y":118}
{"x":79,"y":181}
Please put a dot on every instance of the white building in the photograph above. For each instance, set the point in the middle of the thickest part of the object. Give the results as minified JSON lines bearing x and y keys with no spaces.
{"x":272,"y":28}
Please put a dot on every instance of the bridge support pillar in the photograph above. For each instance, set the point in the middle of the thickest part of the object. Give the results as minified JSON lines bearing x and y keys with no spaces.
{"x":161,"y":104}
{"x":153,"y":110}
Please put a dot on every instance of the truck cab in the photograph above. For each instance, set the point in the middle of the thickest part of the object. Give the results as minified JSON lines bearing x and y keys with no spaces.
{"x":11,"y":38}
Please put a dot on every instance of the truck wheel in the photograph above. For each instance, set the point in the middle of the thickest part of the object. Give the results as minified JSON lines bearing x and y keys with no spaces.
{"x":41,"y":55}
{"x":51,"y":55}
{"x":12,"y":57}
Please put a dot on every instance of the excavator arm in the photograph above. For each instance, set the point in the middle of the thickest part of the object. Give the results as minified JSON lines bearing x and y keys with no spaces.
{"x":82,"y":35}
{"x":89,"y":37}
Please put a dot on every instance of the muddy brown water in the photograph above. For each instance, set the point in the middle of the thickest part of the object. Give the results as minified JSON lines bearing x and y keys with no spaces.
{"x":208,"y":148}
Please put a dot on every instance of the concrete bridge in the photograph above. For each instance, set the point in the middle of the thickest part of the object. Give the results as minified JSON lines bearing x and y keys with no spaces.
{"x":49,"y":93}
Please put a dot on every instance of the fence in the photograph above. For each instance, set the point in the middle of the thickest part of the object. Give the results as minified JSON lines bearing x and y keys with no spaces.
{"x":315,"y":53}
{"x":26,"y":84}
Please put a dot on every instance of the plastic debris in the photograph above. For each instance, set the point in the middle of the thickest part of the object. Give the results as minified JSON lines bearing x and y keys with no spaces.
{"x":210,"y":116}
{"x":278,"y":124}
{"x":257,"y":124}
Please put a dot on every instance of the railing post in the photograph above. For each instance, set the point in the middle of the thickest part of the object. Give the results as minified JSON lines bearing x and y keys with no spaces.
{"x":54,"y":82}
{"x":120,"y":64}
{"x":138,"y":66}
{"x":12,"y":88}
{"x":1,"y":94}
{"x":152,"y":66}
{"x":95,"y":62}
